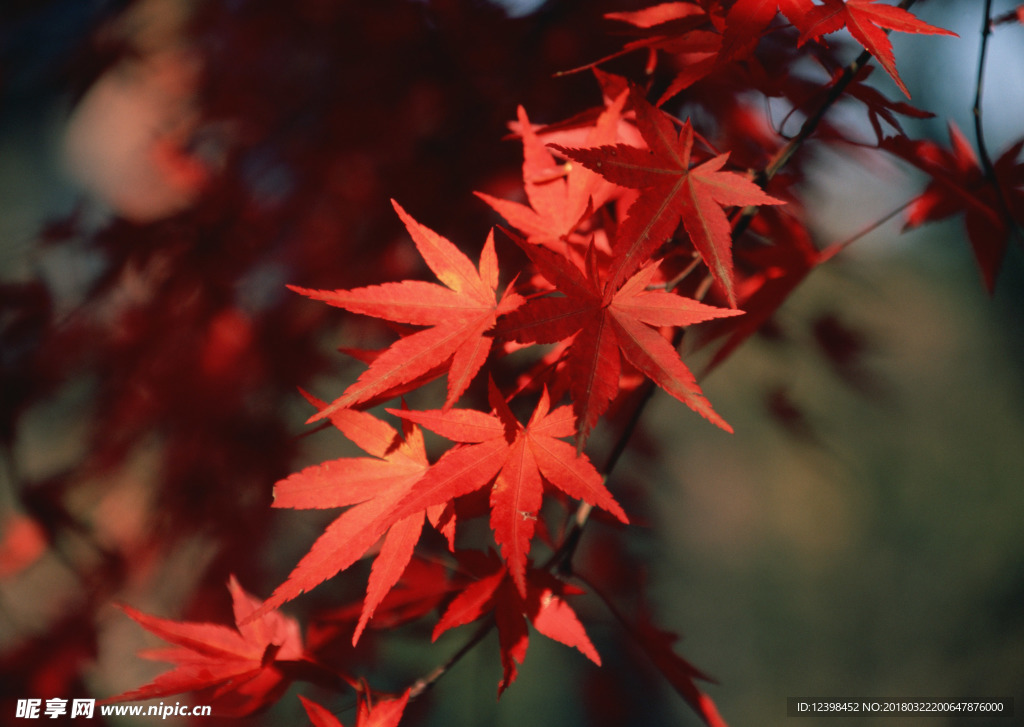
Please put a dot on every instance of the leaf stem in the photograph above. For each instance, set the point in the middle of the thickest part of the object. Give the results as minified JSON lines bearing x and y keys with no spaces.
{"x":837,"y":247}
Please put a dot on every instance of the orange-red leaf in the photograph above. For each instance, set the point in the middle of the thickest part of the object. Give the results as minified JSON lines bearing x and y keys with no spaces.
{"x":748,"y":19}
{"x":867,"y":20}
{"x":555,"y":619}
{"x":607,"y":322}
{"x":518,"y":461}
{"x":319,"y":715}
{"x":671,"y":190}
{"x":373,"y":486}
{"x":385,"y":713}
{"x":542,"y":603}
{"x":960,"y":186}
{"x":389,"y":565}
{"x":459,"y":315}
{"x":681,"y":674}
{"x":560,"y":195}
{"x":240,"y":661}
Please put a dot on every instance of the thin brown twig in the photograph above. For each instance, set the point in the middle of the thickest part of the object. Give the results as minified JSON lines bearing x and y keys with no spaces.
{"x":837,"y":247}
{"x":979,"y":133}
{"x":988,"y":168}
{"x":810,"y":125}
{"x":783,"y":155}
{"x":424,"y":683}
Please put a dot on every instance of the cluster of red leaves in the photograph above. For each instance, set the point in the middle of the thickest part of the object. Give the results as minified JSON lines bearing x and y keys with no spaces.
{"x":631,"y":221}
{"x":959,"y":186}
{"x":150,"y":367}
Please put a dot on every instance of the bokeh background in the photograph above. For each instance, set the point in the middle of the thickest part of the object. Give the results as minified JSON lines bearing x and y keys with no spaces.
{"x":166,"y":167}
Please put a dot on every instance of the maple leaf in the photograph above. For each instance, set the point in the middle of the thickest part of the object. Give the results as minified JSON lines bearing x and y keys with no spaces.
{"x":866,"y":21}
{"x":518,"y":459}
{"x":575,"y":130}
{"x":606,"y":323}
{"x":680,"y":29}
{"x":385,"y":713}
{"x":681,"y":674}
{"x":459,"y":314}
{"x":777,"y":271}
{"x":542,"y":604}
{"x":959,"y":185}
{"x":423,"y":585}
{"x":670,"y":191}
{"x":241,"y":664}
{"x":879,"y":107}
{"x":659,"y":15}
{"x":319,"y":715}
{"x":659,"y":27}
{"x":747,"y":20}
{"x":369,"y":486}
{"x":560,"y":198}
{"x":677,"y":28}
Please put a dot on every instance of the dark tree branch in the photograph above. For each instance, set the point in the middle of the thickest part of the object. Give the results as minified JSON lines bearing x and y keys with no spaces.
{"x":987,"y":167}
{"x":979,"y":133}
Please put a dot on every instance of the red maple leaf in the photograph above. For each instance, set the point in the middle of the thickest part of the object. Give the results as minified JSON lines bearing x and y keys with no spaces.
{"x":560,"y":197}
{"x":385,"y":713}
{"x":867,"y":20}
{"x":879,"y":107}
{"x":748,"y":19}
{"x":685,"y":30}
{"x":542,"y":604}
{"x":424,"y":584}
{"x":604,"y":323}
{"x":670,"y":191}
{"x":959,"y":185}
{"x":241,"y":664}
{"x":518,"y":459}
{"x":681,"y":674}
{"x":660,"y":27}
{"x":370,"y":487}
{"x":777,"y":270}
{"x":460,"y":314}
{"x":659,"y":15}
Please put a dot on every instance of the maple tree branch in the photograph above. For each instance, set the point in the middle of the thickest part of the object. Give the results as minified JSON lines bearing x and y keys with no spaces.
{"x":424,"y":683}
{"x":988,"y":168}
{"x":979,"y":133}
{"x":562,"y":557}
{"x":783,"y":155}
{"x":682,"y":275}
{"x":810,"y":125}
